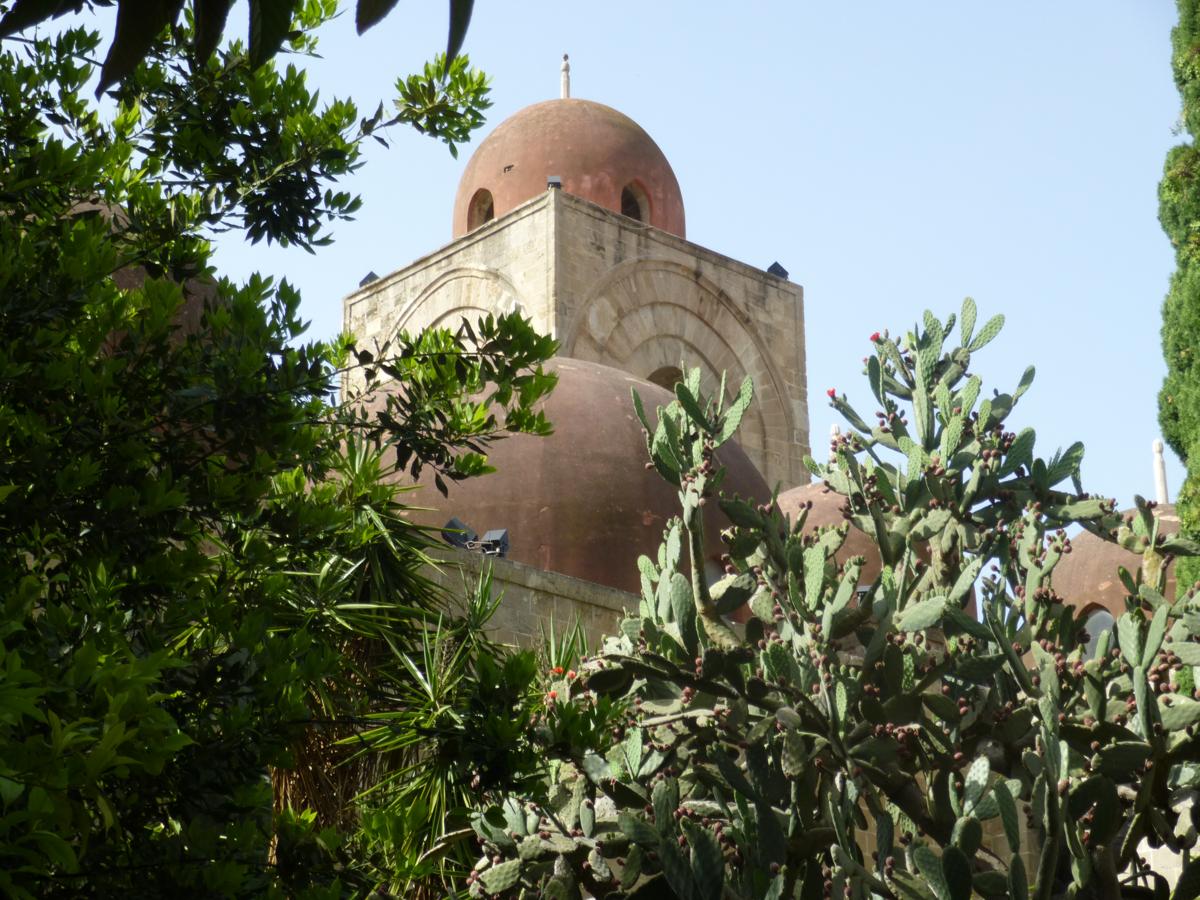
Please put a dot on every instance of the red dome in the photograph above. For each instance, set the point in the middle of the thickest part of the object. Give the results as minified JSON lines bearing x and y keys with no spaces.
{"x":601,"y":155}
{"x":581,"y":501}
{"x":826,"y":510}
{"x":1088,"y":576}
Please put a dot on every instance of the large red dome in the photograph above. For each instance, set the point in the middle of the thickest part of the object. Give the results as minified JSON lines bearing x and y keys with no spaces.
{"x":581,"y":501}
{"x":600,"y":154}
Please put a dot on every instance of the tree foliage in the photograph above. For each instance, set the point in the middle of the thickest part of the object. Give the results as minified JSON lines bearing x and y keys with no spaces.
{"x":1179,"y":212}
{"x":877,"y":740}
{"x":192,"y":534}
{"x":139,"y":23}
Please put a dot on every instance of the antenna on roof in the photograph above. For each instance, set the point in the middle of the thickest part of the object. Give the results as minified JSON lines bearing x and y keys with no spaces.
{"x":1160,"y":473}
{"x":566,"y":78}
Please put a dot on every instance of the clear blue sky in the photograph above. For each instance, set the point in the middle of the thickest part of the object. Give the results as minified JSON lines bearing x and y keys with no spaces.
{"x":892,"y":156}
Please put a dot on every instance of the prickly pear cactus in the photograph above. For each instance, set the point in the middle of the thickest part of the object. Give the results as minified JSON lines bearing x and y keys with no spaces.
{"x":876,"y":740}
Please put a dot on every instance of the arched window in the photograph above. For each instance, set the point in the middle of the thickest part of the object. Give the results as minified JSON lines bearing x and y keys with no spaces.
{"x":634,"y":202}
{"x":1098,"y":621}
{"x":713,"y":571}
{"x":666,"y":377}
{"x":481,"y":211}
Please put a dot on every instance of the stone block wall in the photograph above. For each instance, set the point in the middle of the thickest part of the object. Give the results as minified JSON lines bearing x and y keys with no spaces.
{"x":533,"y":599}
{"x":501,"y":267}
{"x":615,"y":291}
{"x":647,"y":302}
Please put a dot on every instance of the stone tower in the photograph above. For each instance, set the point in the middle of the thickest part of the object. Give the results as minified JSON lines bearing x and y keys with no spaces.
{"x":571,"y":213}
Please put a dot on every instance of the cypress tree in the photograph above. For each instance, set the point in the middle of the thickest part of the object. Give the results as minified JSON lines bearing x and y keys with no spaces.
{"x":1179,"y":213}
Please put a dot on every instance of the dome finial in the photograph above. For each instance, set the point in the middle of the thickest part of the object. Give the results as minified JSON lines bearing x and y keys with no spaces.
{"x":1160,"y":472}
{"x":565,"y":91}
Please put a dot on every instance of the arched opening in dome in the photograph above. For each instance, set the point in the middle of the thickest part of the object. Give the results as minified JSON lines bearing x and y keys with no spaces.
{"x":1098,"y":621}
{"x":634,"y":202}
{"x":666,"y":377}
{"x":482,"y":210}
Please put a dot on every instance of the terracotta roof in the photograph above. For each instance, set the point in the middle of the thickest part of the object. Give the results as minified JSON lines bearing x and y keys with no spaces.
{"x":581,"y":501}
{"x":595,"y":150}
{"x":827,"y":510}
{"x":1088,"y":575}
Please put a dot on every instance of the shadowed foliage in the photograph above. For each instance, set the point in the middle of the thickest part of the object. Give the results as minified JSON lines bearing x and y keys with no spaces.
{"x":205,"y":564}
{"x":141,"y":22}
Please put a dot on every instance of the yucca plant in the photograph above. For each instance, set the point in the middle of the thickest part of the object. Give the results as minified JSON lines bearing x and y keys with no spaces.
{"x":454,"y":725}
{"x":877,"y":740}
{"x":397,"y":759}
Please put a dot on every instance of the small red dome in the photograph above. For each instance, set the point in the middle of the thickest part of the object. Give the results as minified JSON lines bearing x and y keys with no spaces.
{"x":581,"y":501}
{"x":1087,"y":577}
{"x":826,"y":510}
{"x":600,"y":154}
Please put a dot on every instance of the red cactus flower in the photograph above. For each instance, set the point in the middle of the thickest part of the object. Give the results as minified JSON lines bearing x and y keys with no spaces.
{"x":832,"y":392}
{"x":875,"y":339}
{"x":557,"y":670}
{"x":571,"y":675}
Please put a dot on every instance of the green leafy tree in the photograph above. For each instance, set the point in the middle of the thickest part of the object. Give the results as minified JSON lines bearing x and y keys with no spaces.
{"x":855,"y":740}
{"x":192,"y":534}
{"x":1179,"y":212}
{"x":271,"y":25}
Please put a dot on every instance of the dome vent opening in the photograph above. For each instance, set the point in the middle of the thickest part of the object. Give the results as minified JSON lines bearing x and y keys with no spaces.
{"x":634,"y":202}
{"x":1097,"y":621}
{"x":666,"y":377}
{"x":482,"y":209}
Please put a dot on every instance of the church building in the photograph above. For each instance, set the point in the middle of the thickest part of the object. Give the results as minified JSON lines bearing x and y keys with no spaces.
{"x":569,"y":212}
